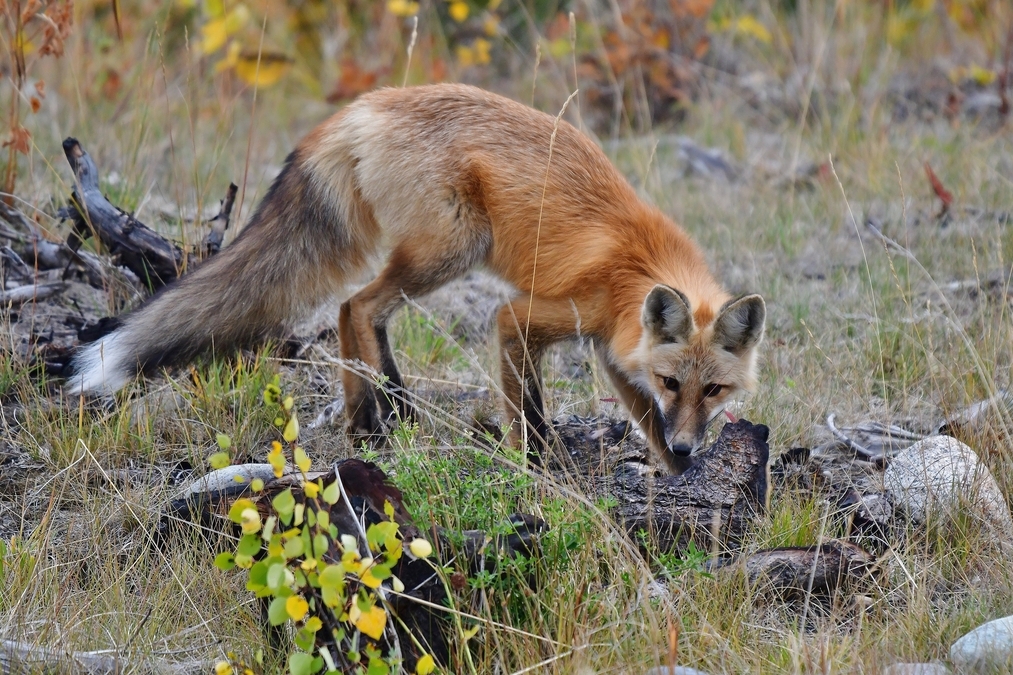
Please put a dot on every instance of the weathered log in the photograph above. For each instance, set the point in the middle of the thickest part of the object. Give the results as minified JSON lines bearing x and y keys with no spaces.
{"x":23,"y":658}
{"x":715,"y":499}
{"x":819,"y":571}
{"x":154,"y":259}
{"x":28,"y":242}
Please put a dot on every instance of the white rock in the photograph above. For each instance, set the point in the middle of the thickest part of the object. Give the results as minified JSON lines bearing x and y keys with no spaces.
{"x":916,"y":669}
{"x":939,"y":473}
{"x":986,"y":648}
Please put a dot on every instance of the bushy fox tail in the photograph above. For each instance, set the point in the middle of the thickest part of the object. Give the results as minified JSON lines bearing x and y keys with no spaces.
{"x":298,"y":250}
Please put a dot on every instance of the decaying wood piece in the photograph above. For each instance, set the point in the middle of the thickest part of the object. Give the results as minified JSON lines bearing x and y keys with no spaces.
{"x":28,"y":243}
{"x":22,"y":658}
{"x":220,"y":223}
{"x":154,"y":259}
{"x":820,"y":571}
{"x":715,"y":498}
{"x":207,"y":502}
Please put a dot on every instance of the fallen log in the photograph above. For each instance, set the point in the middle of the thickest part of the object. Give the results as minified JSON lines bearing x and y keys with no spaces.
{"x":147,"y":254}
{"x":17,"y":658}
{"x":819,"y":571}
{"x":714,"y":501}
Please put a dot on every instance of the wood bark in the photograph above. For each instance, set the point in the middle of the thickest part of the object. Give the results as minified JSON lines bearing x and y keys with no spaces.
{"x":714,"y":500}
{"x":154,"y":259}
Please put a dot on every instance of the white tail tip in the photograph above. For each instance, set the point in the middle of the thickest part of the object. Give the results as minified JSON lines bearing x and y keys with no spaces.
{"x":101,"y":367}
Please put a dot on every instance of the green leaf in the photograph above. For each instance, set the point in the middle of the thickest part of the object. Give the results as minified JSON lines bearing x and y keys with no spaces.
{"x":257,"y":578}
{"x":276,"y":576}
{"x":293,"y":548}
{"x":291,"y":432}
{"x":284,"y":504}
{"x":300,"y":663}
{"x":225,"y":561}
{"x":304,"y":639}
{"x":381,"y":572}
{"x":276,"y":613}
{"x":377,"y":667}
{"x":332,"y":493}
{"x":249,"y":545}
{"x":320,"y":545}
{"x":224,"y":442}
{"x":219,"y":460}
{"x":332,"y":576}
{"x":237,"y":508}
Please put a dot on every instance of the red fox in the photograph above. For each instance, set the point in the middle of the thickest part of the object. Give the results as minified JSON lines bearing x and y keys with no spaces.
{"x":437,"y":180}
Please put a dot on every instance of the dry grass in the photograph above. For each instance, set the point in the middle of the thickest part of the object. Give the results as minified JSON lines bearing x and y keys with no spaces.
{"x":854,"y":327}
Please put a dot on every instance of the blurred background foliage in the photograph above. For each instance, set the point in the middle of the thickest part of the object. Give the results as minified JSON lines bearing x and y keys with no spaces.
{"x":637,"y":62}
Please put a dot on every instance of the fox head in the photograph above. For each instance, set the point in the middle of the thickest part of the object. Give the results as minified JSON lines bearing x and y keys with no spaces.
{"x":692,"y":371}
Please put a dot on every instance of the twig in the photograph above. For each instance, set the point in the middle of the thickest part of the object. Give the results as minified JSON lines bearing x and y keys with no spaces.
{"x":220,"y":223}
{"x":381,"y":591}
{"x":30,"y":292}
{"x":839,"y":435}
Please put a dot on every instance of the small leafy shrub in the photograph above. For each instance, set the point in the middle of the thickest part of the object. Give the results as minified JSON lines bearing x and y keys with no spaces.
{"x":324,"y":583}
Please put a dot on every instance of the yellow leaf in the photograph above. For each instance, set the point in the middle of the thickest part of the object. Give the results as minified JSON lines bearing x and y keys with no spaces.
{"x":370,"y":622}
{"x":219,"y":460}
{"x":458,"y":11}
{"x":366,"y":575}
{"x":288,"y":403}
{"x":311,"y":489}
{"x":425,"y":665}
{"x":296,"y":606}
{"x":224,"y":668}
{"x":251,"y":521}
{"x":291,"y":431}
{"x":313,"y":624}
{"x":420,"y":548}
{"x":481,"y":48}
{"x":237,"y":18}
{"x":213,"y":36}
{"x":464,"y":55}
{"x":982,"y":76}
{"x":301,"y":459}
{"x":749,"y":25}
{"x":257,"y":484}
{"x":271,"y":69}
{"x":469,"y":633}
{"x":404,"y":8}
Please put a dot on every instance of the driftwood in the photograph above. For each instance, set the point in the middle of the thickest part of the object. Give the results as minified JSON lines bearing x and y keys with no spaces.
{"x":716,"y":498}
{"x":153,"y":258}
{"x":22,"y":658}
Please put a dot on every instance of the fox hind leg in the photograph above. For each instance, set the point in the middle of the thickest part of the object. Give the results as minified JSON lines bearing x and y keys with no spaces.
{"x":414,"y":268}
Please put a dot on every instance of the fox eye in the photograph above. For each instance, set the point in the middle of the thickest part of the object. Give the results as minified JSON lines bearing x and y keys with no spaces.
{"x":712,"y":390}
{"x":670,"y":383}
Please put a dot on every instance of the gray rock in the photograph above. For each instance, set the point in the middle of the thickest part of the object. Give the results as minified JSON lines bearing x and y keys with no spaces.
{"x":986,"y":648}
{"x":938,"y":474}
{"x":676,"y":670}
{"x":916,"y":669}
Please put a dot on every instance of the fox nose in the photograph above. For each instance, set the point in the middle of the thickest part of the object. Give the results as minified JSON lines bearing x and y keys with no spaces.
{"x":681,"y":449}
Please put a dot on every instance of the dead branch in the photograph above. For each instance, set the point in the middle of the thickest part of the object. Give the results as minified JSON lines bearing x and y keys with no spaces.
{"x":154,"y":259}
{"x":220,"y":223}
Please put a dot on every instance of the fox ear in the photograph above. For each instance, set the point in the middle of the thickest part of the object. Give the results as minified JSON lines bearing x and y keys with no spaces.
{"x":666,"y":315}
{"x":739,"y":326}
